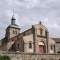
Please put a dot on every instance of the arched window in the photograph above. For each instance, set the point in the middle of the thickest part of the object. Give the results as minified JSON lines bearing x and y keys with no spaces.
{"x":12,"y":39}
{"x":24,"y":34}
{"x":41,"y":31}
{"x":54,"y":48}
{"x":45,"y":33}
{"x":13,"y":32}
{"x":18,"y":38}
{"x":51,"y":47}
{"x":30,"y":44}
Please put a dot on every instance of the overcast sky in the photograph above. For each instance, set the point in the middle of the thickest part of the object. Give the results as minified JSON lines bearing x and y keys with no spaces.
{"x":30,"y":12}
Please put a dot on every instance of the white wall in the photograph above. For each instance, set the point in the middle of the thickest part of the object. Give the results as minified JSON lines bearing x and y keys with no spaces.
{"x":27,"y":39}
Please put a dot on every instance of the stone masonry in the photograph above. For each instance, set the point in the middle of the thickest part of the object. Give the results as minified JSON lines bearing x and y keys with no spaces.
{"x":32,"y":56}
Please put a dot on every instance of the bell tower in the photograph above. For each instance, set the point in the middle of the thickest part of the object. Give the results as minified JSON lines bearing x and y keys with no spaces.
{"x":13,"y":29}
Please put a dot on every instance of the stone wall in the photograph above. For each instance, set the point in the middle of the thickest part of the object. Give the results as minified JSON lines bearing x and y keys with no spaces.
{"x":32,"y":56}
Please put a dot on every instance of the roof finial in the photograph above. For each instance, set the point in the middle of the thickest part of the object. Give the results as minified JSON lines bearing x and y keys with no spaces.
{"x":40,"y":22}
{"x":13,"y":16}
{"x":13,"y":20}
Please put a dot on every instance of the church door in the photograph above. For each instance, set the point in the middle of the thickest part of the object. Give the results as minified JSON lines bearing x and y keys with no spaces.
{"x":41,"y":48}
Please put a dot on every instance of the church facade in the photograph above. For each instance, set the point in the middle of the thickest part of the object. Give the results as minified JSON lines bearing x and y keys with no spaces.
{"x":34,"y":40}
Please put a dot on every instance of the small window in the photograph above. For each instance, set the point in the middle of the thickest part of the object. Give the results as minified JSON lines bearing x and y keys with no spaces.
{"x":41,"y":31}
{"x":30,"y":45}
{"x":17,"y":38}
{"x":54,"y":48}
{"x":28,"y":33}
{"x":51,"y":47}
{"x":46,"y":33}
{"x":12,"y":40}
{"x":18,"y":46}
{"x":16,"y":32}
{"x":24,"y":34}
{"x":13,"y":32}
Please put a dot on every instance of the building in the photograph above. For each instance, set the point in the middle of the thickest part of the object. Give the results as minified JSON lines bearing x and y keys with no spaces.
{"x":34,"y":40}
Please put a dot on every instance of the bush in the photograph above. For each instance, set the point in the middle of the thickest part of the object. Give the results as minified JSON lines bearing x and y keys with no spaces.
{"x":5,"y":58}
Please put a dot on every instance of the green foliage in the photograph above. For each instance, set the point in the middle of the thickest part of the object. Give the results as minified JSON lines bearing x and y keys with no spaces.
{"x":5,"y":58}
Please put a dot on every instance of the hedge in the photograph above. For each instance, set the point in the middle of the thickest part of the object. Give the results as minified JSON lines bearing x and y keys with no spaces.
{"x":5,"y":58}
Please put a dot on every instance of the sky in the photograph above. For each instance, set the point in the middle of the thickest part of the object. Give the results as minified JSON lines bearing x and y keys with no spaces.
{"x":30,"y":12}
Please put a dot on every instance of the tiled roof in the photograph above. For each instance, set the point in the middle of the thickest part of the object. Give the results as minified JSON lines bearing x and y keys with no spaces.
{"x":57,"y":40}
{"x":13,"y":26}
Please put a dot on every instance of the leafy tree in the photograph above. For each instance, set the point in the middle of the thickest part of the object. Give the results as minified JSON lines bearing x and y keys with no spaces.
{"x":5,"y":58}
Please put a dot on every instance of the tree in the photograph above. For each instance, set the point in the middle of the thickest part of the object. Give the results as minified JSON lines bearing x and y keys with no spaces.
{"x":5,"y":58}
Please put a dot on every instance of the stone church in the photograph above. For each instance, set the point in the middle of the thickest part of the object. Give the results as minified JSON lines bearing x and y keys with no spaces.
{"x":34,"y":40}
